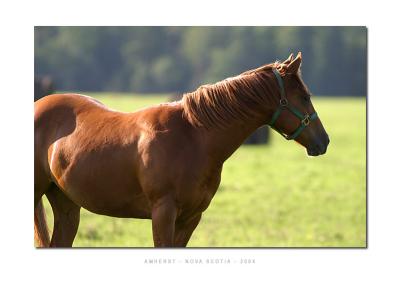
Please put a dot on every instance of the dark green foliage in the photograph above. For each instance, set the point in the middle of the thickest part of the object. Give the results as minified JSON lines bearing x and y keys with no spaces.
{"x":178,"y":59}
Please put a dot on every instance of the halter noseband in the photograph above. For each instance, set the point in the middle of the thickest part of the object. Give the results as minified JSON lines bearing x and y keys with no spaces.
{"x":284,"y":104}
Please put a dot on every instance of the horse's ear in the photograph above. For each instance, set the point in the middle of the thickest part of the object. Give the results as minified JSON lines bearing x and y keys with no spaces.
{"x":290,"y":58}
{"x":294,"y":66}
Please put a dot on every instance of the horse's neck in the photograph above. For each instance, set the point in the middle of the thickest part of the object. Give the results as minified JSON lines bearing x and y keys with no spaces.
{"x":223,"y":143}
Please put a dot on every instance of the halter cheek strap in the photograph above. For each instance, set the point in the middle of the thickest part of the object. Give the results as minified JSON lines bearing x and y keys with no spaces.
{"x":305,"y":119}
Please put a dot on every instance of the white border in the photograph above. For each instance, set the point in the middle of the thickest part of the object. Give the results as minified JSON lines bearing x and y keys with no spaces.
{"x":21,"y":263}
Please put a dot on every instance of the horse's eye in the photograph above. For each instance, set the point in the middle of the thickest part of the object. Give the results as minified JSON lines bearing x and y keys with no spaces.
{"x":307,"y":99}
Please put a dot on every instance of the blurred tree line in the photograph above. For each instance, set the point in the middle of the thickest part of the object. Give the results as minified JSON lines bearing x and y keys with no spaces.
{"x":179,"y":59}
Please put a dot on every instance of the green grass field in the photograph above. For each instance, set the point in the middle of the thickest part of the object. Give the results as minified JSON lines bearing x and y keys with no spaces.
{"x":270,"y":196}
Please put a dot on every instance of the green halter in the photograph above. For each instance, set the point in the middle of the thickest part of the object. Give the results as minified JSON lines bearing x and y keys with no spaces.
{"x":284,"y":104}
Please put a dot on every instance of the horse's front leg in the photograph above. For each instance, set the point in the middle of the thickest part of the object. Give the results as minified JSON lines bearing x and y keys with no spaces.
{"x":184,"y":229}
{"x":163,"y":217}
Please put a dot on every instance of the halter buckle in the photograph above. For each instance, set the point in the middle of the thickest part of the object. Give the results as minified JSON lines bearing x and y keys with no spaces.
{"x":306,"y":120}
{"x":283,"y":102}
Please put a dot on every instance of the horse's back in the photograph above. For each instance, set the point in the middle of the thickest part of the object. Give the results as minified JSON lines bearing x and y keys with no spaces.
{"x":59,"y":104}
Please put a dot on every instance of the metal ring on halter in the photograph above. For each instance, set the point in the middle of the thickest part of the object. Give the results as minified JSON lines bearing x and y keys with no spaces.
{"x":283,"y":102}
{"x":306,"y":120}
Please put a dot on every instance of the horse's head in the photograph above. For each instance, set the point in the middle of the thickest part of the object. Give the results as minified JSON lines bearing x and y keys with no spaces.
{"x":295,"y":117}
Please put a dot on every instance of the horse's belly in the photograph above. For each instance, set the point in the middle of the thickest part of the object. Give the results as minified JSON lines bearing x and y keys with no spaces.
{"x":124,"y":204}
{"x":136,"y":207}
{"x":118,"y":195}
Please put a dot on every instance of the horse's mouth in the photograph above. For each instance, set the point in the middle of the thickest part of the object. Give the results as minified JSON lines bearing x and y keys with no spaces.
{"x":319,"y":147}
{"x":315,"y":151}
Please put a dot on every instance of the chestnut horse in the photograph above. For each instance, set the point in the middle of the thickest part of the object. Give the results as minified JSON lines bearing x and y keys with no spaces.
{"x":164,"y":162}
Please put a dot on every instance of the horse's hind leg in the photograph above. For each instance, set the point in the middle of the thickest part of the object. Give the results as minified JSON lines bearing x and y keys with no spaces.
{"x":66,"y":218}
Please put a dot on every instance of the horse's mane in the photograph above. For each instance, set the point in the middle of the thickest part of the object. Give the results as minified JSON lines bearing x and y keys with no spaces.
{"x":234,"y":98}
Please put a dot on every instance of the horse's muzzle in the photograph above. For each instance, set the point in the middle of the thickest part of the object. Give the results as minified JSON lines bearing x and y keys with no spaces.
{"x":319,"y":148}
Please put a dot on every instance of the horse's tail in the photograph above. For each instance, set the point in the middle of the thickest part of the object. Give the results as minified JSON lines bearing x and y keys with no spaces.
{"x":42,"y":238}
